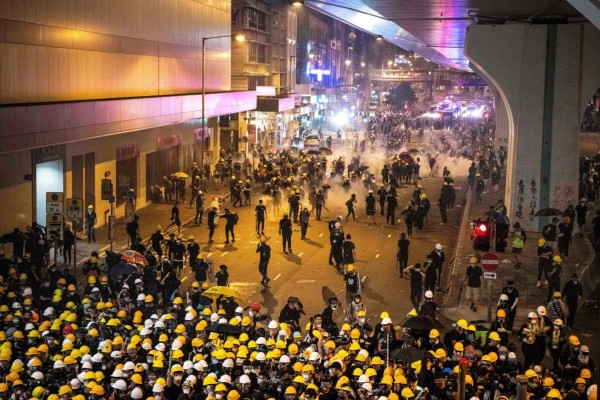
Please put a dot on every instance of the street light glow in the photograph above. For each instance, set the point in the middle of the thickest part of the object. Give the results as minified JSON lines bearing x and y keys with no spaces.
{"x":239,"y":37}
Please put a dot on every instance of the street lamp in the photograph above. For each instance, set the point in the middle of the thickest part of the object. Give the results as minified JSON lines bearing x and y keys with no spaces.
{"x":239,"y":38}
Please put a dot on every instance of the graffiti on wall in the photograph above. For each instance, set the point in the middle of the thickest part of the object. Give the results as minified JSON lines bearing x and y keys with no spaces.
{"x":533,"y":200}
{"x":562,"y":196}
{"x":519,"y":213}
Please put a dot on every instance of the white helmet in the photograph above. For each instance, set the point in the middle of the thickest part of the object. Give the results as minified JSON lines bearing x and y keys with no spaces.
{"x":363,"y":379}
{"x":191,"y":380}
{"x":141,"y":297}
{"x":157,"y":388}
{"x":225,"y":379}
{"x":117,"y":373}
{"x":144,"y":331}
{"x":314,"y":356}
{"x":273,"y":324}
{"x":188,"y":365}
{"x":159,"y":324}
{"x":86,"y":364}
{"x":29,"y":327}
{"x":239,"y":310}
{"x":97,"y":358}
{"x":116,"y":354}
{"x":160,"y":347}
{"x":284,"y":359}
{"x":228,"y":363}
{"x":367,"y":386}
{"x":504,"y":297}
{"x":75,"y":383}
{"x":15,"y":305}
{"x":137,"y":393}
{"x":58,"y":364}
{"x":119,"y":385}
{"x":244,"y":379}
{"x":261,"y":340}
{"x":37,"y":375}
{"x":214,"y":317}
{"x":429,"y":294}
{"x":148,"y":323}
{"x":386,"y":321}
{"x":189,"y":316}
{"x":260,"y":356}
{"x":438,"y":246}
{"x":27,"y":291}
{"x":129,"y":365}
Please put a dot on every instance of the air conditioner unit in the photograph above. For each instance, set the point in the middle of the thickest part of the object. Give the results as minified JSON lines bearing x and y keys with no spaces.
{"x":333,"y":44}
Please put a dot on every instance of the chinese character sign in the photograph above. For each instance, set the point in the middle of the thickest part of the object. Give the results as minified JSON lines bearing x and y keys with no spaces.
{"x":533,"y":201}
{"x":520,"y":200}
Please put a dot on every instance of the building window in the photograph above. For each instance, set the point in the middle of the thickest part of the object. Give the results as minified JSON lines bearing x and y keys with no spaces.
{"x":257,"y":20}
{"x":257,"y":53}
{"x":254,"y":81}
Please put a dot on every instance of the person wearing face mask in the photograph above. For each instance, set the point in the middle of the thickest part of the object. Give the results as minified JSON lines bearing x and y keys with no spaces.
{"x":571,"y":294}
{"x":175,"y":382}
{"x":434,"y":342}
{"x":438,"y":258}
{"x":500,"y":325}
{"x":556,"y":308}
{"x":528,"y":335}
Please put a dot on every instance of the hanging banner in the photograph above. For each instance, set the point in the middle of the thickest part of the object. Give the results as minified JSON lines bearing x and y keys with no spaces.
{"x":167,"y":142}
{"x":128,"y":151}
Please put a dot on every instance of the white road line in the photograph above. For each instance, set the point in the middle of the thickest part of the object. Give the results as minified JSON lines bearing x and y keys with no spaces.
{"x":224,"y":254}
{"x":243,"y":284}
{"x":300,"y":254}
{"x":363,"y":278}
{"x":184,"y":279}
{"x":209,"y":254}
{"x":306,"y":281}
{"x":320,"y":235}
{"x":377,"y":255}
{"x":390,"y":235}
{"x":277,"y":277}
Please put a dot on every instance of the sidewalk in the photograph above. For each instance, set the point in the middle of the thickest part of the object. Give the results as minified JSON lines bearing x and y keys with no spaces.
{"x":581,"y":256}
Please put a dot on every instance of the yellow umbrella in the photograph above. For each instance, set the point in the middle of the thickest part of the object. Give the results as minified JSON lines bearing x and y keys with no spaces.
{"x":181,"y":175}
{"x":216,"y":291}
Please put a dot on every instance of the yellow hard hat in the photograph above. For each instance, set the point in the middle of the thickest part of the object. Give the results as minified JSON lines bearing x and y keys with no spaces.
{"x":473,"y":260}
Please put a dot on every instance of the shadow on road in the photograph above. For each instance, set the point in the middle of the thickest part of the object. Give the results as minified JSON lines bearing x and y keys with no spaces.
{"x":293,"y":258}
{"x":313,"y":243}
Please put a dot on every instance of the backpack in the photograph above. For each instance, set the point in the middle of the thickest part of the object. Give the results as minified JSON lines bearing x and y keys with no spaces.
{"x":236,"y":218}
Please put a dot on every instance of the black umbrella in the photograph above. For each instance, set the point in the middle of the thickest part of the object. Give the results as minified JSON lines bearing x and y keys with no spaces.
{"x":121,"y":269}
{"x":420,"y":322}
{"x":499,"y":218}
{"x":548,"y":212}
{"x":407,"y":354}
{"x":326,"y":151}
{"x":225,"y":329}
{"x":313,"y":152}
{"x":14,"y":237}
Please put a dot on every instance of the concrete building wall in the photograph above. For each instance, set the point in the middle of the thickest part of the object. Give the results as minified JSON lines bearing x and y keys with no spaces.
{"x":543,"y":74}
{"x":73,"y":50}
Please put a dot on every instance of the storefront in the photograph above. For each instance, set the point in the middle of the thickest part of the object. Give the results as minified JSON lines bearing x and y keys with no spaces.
{"x":127,"y":169}
{"x":162,"y":162}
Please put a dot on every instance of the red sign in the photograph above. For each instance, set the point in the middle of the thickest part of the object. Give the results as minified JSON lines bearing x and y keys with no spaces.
{"x":166,"y":142}
{"x":127,"y":152}
{"x":490,"y":262}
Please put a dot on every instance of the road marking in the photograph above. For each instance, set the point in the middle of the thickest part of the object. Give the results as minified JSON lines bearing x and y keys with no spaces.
{"x":224,"y":254}
{"x":306,"y":281}
{"x":320,"y":235}
{"x":363,"y":278}
{"x":277,"y":277}
{"x":209,"y":254}
{"x":390,"y":235}
{"x":243,"y":284}
{"x":377,"y":255}
{"x":300,"y":254}
{"x":184,"y":279}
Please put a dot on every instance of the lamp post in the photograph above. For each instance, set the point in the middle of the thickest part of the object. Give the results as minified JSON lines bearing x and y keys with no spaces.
{"x":237,"y":37}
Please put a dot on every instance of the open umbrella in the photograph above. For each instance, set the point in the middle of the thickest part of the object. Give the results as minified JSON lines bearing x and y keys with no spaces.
{"x":226,"y":291}
{"x":326,"y":151}
{"x":181,"y":175}
{"x":225,"y":329}
{"x":413,"y":152}
{"x":548,"y":212}
{"x":121,"y":269}
{"x":407,"y":158}
{"x":14,"y":237}
{"x":420,"y":322}
{"x":407,"y":354}
{"x":498,"y":217}
{"x":313,"y":152}
{"x":132,"y":256}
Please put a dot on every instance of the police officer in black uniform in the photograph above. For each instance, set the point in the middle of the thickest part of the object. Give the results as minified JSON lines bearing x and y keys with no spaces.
{"x":285,"y":230}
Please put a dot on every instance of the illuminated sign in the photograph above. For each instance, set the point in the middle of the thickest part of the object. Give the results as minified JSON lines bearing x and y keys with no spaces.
{"x":319,"y":73}
{"x":267,"y":91}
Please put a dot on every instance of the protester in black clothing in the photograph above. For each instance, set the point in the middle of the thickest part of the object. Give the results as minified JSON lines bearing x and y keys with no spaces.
{"x":291,"y":312}
{"x":416,"y":284}
{"x":156,"y":240}
{"x":265,"y":255}
{"x":231,"y":220}
{"x":285,"y":230}
{"x":392,"y":203}
{"x":370,"y":206}
{"x":260,"y":211}
{"x":382,"y":197}
{"x":222,"y":276}
{"x":350,"y":206}
{"x":572,"y":292}
{"x":409,"y":218}
{"x":403,"y":249}
{"x":212,"y":215}
{"x":304,"y":219}
{"x":68,"y":241}
{"x":438,"y":258}
{"x":133,"y":229}
{"x":193,"y":250}
{"x":336,"y":240}
{"x":513,"y":299}
{"x":544,"y":253}
{"x":319,"y":203}
{"x":175,"y":216}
